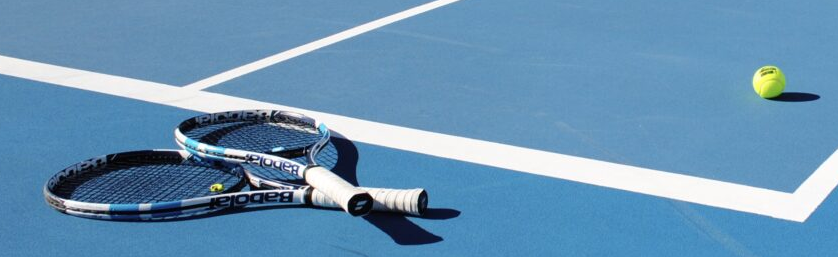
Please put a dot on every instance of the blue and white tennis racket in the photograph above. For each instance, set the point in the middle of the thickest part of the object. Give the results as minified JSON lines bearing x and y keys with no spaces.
{"x":161,"y":184}
{"x":262,"y":137}
{"x":409,"y":201}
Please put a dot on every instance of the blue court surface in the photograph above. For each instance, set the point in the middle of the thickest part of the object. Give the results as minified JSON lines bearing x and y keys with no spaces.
{"x":560,"y":128}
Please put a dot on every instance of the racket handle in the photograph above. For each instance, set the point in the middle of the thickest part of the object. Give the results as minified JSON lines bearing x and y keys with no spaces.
{"x":351,"y":199}
{"x":408,"y":201}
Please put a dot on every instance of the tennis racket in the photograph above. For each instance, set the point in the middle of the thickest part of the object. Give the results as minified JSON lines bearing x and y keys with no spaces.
{"x":262,"y":137}
{"x":162,"y":184}
{"x":409,"y":201}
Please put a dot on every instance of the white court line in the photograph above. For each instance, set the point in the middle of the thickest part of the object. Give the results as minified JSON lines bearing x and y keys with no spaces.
{"x":795,"y":207}
{"x":300,"y":50}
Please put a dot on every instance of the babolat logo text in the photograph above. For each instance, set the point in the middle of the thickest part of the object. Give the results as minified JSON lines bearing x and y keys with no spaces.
{"x":248,"y":198}
{"x":285,"y":166}
{"x":232,"y":116}
{"x":78,"y":168}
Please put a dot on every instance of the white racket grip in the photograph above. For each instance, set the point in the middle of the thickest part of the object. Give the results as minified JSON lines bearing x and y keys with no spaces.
{"x":351,"y":199}
{"x":408,"y":201}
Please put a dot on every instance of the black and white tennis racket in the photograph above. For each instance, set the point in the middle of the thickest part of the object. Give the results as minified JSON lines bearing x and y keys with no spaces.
{"x":161,"y":184}
{"x":263,"y":137}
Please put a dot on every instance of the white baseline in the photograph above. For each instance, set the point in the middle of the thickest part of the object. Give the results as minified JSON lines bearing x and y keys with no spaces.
{"x":797,"y":206}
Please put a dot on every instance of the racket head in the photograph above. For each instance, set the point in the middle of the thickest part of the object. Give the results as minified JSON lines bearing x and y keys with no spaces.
{"x":140,"y":185}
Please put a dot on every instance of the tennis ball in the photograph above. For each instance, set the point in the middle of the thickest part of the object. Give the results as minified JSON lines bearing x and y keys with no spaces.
{"x":217,"y":187}
{"x":769,"y":81}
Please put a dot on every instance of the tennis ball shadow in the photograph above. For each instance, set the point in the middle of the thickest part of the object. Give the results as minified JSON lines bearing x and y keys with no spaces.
{"x":795,"y":97}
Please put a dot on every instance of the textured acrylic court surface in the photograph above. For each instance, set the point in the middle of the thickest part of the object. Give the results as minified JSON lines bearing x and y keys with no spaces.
{"x":653,"y":84}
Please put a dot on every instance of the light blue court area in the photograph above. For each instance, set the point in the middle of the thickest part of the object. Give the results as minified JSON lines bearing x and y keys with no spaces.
{"x":660,"y":88}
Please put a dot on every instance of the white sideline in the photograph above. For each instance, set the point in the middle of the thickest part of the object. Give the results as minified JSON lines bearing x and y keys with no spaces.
{"x":300,"y":50}
{"x":797,"y":206}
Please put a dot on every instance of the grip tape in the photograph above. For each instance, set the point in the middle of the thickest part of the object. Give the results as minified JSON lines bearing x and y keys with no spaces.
{"x":409,"y":201}
{"x":351,"y":199}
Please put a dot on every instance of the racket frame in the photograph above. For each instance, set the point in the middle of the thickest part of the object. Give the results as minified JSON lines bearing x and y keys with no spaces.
{"x":414,"y":201}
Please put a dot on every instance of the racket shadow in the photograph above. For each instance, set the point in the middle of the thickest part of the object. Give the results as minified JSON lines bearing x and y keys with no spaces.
{"x":347,"y":161}
{"x":405,"y":232}
{"x":397,"y":226}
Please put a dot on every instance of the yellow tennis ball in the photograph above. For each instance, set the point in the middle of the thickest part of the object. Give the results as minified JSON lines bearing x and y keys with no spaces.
{"x":769,"y":81}
{"x":217,"y":187}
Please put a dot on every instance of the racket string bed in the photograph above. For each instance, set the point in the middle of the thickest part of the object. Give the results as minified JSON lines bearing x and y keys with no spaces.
{"x":137,"y":183}
{"x":256,"y":137}
{"x":131,"y":181}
